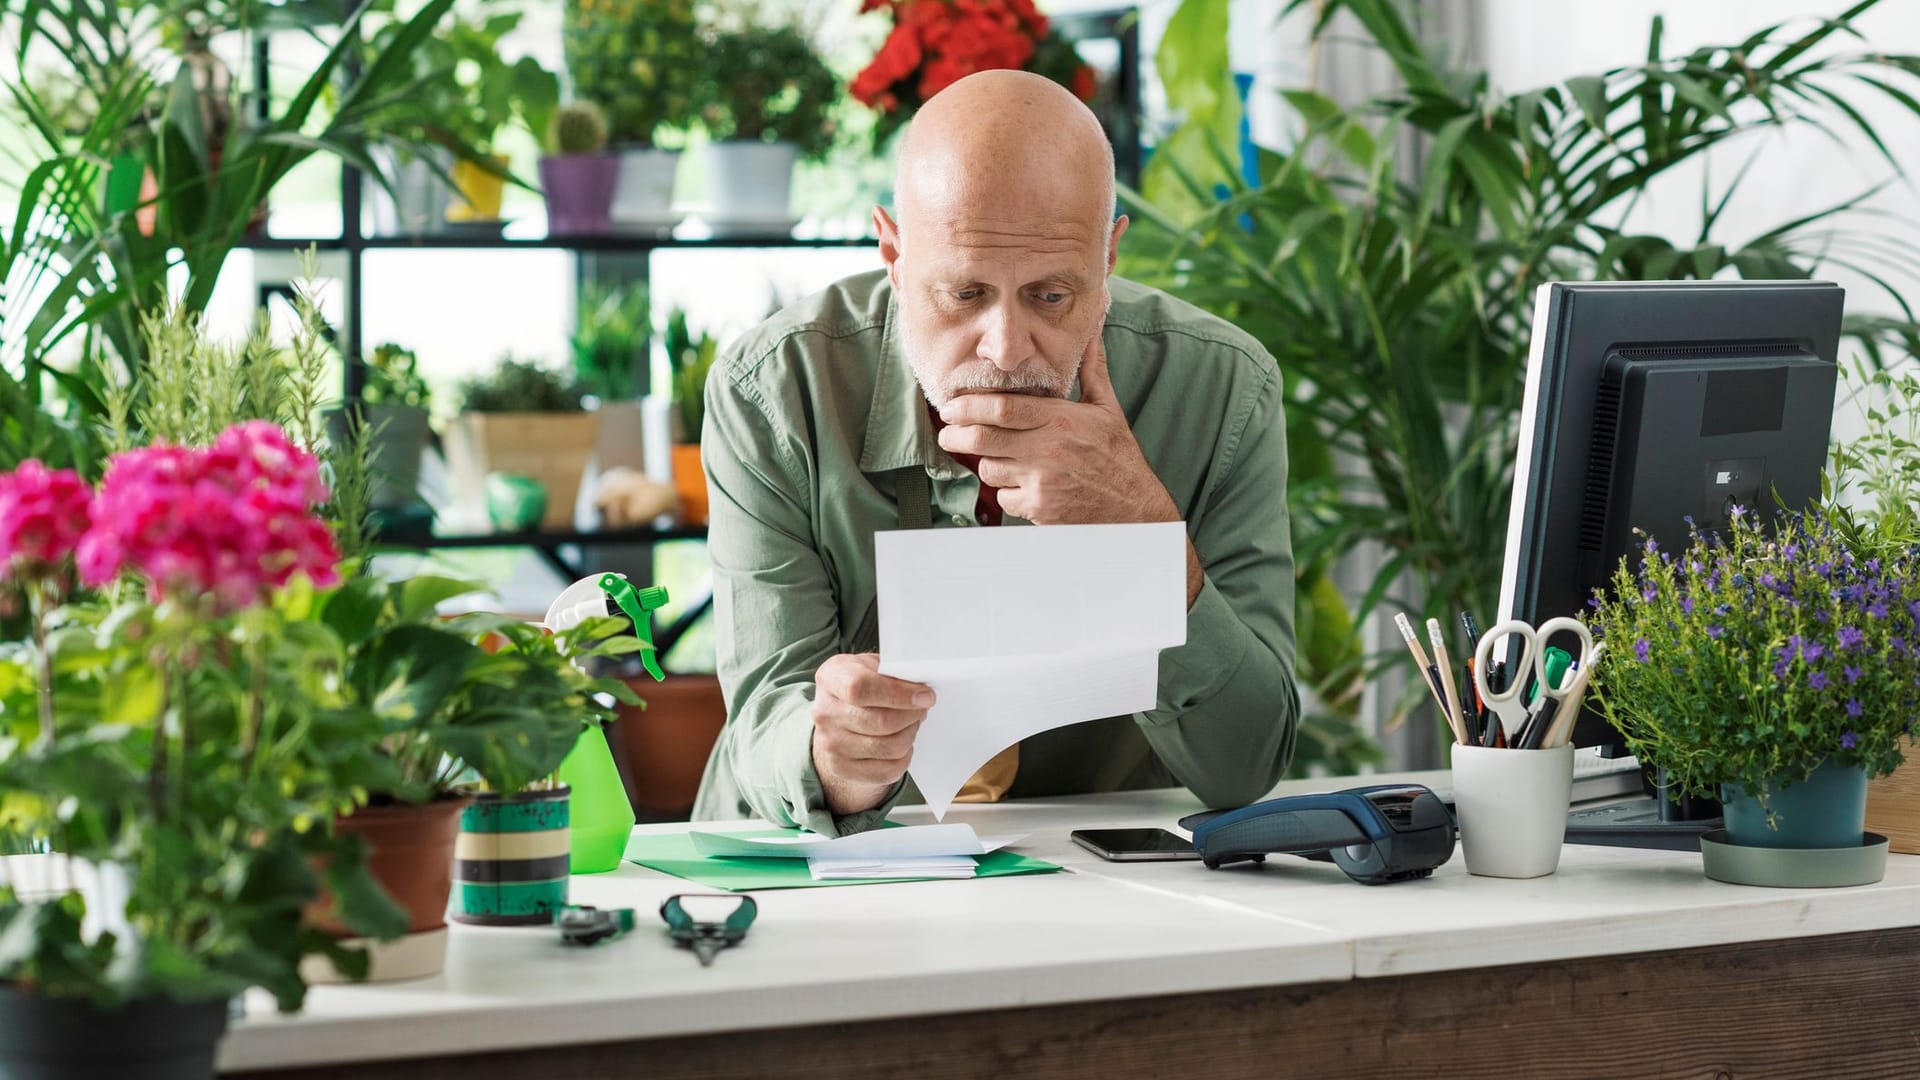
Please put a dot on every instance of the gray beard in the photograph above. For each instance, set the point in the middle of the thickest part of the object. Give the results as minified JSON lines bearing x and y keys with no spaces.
{"x":981,"y":375}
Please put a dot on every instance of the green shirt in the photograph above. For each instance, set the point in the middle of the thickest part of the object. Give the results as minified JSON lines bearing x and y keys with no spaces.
{"x":808,"y":419}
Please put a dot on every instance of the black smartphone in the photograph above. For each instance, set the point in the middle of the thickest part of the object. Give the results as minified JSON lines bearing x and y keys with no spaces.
{"x":1135,"y":845}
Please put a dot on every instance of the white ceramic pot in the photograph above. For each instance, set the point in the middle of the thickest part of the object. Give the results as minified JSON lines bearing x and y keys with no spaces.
{"x":749,"y":183}
{"x":622,"y":436}
{"x":422,"y":197}
{"x":643,"y":195}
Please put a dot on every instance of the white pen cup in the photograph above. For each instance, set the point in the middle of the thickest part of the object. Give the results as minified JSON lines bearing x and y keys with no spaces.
{"x":1512,"y":808}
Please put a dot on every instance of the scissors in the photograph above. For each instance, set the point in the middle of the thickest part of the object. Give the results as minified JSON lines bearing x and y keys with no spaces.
{"x":1508,"y":704}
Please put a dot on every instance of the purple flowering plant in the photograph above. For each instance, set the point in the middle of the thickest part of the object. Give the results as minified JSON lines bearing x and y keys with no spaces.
{"x":1758,"y":652}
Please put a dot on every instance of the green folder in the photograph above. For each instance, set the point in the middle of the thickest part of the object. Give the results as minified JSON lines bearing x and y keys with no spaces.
{"x":673,"y":853}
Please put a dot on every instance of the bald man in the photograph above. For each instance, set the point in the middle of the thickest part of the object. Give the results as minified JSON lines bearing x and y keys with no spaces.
{"x":995,"y":374}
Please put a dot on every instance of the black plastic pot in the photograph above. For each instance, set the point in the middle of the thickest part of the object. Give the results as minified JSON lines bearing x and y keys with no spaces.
{"x":44,"y":1038}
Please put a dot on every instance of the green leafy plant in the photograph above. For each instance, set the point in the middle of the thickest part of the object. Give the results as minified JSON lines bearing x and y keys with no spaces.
{"x":767,"y":84}
{"x":466,"y":95}
{"x":469,"y":698}
{"x":517,"y":386}
{"x":393,"y":378}
{"x":1873,"y":482}
{"x":641,"y":60}
{"x":610,"y":338}
{"x":1395,"y":292}
{"x":1755,"y":655}
{"x":88,"y":252}
{"x":180,"y":730}
{"x":579,"y":127}
{"x":194,"y":386}
{"x":690,"y":358}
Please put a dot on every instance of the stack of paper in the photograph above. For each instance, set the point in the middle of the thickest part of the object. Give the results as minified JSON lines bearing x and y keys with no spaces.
{"x":929,"y":851}
{"x":1020,"y":631}
{"x":916,"y":866}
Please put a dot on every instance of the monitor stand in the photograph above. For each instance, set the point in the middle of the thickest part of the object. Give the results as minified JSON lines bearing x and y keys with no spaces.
{"x":1645,"y":822}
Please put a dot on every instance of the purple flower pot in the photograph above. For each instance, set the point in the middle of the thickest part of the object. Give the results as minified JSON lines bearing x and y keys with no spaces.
{"x":579,"y":189}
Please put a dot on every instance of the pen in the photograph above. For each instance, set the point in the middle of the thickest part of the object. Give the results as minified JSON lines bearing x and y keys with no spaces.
{"x":1405,"y":625}
{"x":1471,"y":627}
{"x":1443,"y":670}
{"x":1476,"y":709}
{"x":1539,"y":722}
{"x":1496,"y":732}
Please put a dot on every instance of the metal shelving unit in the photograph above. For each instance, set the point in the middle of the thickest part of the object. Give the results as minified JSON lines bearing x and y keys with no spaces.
{"x":623,"y":256}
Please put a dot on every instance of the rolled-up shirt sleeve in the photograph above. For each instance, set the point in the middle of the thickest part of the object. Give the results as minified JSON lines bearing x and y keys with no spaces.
{"x":1228,"y":705}
{"x":775,"y":619}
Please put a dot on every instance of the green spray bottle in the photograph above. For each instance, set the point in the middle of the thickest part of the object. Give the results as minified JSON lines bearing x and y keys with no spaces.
{"x":602,"y":816}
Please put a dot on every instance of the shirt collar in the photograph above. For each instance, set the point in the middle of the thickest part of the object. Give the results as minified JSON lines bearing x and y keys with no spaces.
{"x":899,"y":432}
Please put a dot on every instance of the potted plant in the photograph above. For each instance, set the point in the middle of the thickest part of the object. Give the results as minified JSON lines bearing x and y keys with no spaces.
{"x":463,"y":704}
{"x":613,"y":327}
{"x":173,"y":740}
{"x":690,"y":358}
{"x":1875,"y":484}
{"x":522,"y":420}
{"x":577,"y":174}
{"x":469,"y":96}
{"x":191,"y":210}
{"x":767,"y":103}
{"x":936,"y":43}
{"x":1771,"y":665}
{"x":393,"y":411}
{"x":641,"y":60}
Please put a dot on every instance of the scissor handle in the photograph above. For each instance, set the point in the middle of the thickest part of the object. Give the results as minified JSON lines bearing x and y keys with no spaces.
{"x":1582,"y":659}
{"x":1483,"y":657}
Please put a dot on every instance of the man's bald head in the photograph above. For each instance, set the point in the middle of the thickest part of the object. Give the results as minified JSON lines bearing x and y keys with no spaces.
{"x":1004,"y":143}
{"x":1000,"y":257}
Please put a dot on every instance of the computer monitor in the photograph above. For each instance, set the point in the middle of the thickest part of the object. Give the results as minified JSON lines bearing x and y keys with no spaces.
{"x":1651,"y":402}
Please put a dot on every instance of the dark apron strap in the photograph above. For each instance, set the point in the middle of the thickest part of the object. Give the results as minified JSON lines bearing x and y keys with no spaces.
{"x":913,"y":498}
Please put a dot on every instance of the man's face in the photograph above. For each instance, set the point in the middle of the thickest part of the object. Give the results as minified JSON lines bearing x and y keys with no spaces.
{"x":1000,"y":305}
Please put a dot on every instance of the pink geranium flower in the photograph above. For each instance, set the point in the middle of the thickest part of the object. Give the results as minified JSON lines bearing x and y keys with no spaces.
{"x":43,"y":514}
{"x":231,"y":521}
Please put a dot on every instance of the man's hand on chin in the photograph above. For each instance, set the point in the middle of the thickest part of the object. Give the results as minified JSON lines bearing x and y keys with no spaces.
{"x":1061,"y":462}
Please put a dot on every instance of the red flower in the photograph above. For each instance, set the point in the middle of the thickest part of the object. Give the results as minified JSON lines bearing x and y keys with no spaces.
{"x":936,"y":43}
{"x":1085,"y":85}
{"x":1036,"y":23}
{"x":43,"y":514}
{"x":230,"y":521}
{"x":895,"y":61}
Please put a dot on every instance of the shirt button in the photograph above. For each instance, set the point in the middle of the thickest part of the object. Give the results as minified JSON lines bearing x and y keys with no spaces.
{"x":960,"y":519}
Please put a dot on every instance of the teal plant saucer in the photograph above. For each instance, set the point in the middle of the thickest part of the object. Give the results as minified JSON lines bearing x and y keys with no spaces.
{"x":1794,"y":868}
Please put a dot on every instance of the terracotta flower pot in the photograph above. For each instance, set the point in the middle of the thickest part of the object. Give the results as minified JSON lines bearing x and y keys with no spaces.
{"x":410,"y":853}
{"x":665,"y":745}
{"x":690,"y":483}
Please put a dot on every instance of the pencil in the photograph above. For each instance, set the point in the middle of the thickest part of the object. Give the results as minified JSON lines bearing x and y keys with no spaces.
{"x":1562,"y":729}
{"x":1445,"y":666}
{"x":1420,"y":658}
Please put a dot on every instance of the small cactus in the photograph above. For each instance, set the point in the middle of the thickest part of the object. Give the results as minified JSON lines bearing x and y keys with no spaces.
{"x":579,"y":127}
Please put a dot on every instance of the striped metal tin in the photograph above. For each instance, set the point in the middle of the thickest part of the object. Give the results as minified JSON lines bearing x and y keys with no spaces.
{"x":511,"y":859}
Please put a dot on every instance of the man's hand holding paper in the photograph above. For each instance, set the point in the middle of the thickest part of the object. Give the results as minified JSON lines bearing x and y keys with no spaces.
{"x":864,"y":724}
{"x":1061,"y":625}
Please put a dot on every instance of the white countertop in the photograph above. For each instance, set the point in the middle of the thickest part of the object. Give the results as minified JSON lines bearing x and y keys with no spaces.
{"x":1100,"y":930}
{"x":1601,"y":901}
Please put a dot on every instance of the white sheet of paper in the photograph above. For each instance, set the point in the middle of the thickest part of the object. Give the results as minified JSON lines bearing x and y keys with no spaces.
{"x":1021,"y":630}
{"x":930,"y":866}
{"x":907,"y":842}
